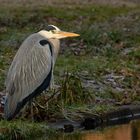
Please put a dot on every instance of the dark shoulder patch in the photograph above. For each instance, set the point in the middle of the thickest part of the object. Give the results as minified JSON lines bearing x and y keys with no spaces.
{"x":49,"y":28}
{"x":43,"y":42}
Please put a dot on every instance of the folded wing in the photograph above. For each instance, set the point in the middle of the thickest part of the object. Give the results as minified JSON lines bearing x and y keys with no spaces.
{"x":30,"y":73}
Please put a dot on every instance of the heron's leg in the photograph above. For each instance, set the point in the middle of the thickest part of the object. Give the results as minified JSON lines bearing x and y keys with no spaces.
{"x":31,"y":110}
{"x":52,"y":81}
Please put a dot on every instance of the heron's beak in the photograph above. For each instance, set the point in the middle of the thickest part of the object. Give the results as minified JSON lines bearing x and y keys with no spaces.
{"x":62,"y":34}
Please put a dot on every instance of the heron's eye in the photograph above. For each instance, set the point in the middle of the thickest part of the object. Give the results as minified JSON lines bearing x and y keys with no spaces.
{"x":53,"y":31}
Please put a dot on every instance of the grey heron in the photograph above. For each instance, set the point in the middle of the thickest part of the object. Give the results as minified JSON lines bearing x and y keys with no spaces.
{"x":31,"y":71}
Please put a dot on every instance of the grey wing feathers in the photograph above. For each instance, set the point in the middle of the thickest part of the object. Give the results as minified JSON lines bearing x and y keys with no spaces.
{"x":29,"y":68}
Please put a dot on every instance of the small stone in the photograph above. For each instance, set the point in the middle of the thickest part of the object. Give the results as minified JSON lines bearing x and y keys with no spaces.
{"x":68,"y":128}
{"x":91,"y":123}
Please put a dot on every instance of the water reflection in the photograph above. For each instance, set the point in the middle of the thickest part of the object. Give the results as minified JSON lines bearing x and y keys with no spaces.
{"x":129,"y":131}
{"x":122,"y":132}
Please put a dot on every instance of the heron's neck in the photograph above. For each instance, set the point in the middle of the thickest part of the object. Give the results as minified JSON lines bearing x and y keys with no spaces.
{"x":56,"y":47}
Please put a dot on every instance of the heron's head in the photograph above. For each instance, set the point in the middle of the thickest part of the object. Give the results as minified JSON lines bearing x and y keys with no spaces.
{"x":53,"y":32}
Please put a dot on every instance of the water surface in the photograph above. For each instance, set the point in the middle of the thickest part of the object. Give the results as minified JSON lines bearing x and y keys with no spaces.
{"x":129,"y":131}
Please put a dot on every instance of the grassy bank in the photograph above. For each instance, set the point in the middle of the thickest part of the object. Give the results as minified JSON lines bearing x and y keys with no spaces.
{"x":94,"y":73}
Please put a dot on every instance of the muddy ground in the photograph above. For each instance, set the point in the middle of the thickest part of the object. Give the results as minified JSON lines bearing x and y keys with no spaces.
{"x":67,"y":2}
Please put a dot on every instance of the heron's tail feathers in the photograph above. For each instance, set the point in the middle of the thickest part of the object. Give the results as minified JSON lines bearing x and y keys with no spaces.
{"x":9,"y":107}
